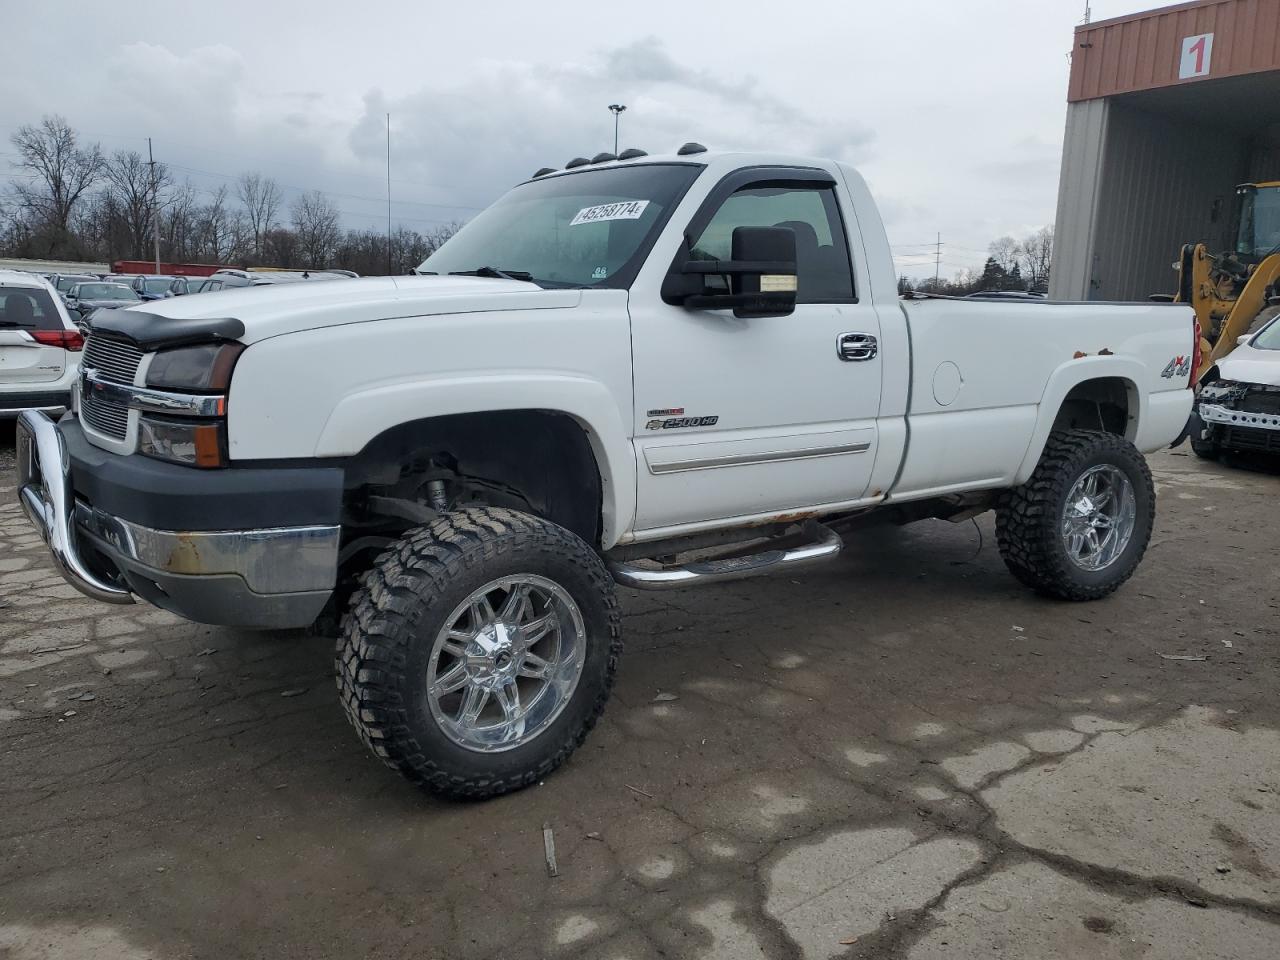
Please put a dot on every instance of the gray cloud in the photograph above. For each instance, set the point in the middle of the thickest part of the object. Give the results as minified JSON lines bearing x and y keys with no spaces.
{"x":954,"y":112}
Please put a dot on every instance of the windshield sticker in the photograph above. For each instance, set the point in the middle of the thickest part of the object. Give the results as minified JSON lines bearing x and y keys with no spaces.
{"x":628,"y":210}
{"x":599,"y":273}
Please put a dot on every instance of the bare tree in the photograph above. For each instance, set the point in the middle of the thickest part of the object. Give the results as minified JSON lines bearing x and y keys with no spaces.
{"x":137,"y":189}
{"x":61,"y":171}
{"x":223,"y":231}
{"x":1036,"y":254}
{"x":280,"y":247}
{"x":1005,"y":252}
{"x":315,"y":220}
{"x":179,"y":229}
{"x":260,"y":197}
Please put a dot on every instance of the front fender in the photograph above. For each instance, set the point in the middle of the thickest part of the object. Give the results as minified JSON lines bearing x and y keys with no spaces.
{"x":361,"y":416}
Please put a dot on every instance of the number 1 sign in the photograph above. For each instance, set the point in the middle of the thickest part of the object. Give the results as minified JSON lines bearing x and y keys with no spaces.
{"x":1197,"y":54}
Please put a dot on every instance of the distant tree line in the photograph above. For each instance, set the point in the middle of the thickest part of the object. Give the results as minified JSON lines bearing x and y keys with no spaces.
{"x":70,"y":201}
{"x":1011,"y":265}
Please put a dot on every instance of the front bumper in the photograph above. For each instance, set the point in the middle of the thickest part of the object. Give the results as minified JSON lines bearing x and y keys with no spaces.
{"x":1231,"y":428}
{"x":277,"y":576}
{"x":1217,"y":414}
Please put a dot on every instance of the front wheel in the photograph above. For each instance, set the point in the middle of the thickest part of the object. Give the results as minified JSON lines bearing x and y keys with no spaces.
{"x":1078,"y":528}
{"x":479,"y":651}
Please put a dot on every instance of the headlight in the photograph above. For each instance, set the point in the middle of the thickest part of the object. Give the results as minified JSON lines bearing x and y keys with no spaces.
{"x":196,"y":443}
{"x":206,"y":367}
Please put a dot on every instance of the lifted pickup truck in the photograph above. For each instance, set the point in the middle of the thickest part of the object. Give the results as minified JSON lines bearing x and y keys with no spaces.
{"x":659,"y":371}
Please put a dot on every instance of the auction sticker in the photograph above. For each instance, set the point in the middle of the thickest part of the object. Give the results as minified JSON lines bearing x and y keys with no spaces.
{"x":627,"y":210}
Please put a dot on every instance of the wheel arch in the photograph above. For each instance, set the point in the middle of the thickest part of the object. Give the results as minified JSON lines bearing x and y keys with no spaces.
{"x":358,"y":422}
{"x":1094,"y":392}
{"x":546,"y":457}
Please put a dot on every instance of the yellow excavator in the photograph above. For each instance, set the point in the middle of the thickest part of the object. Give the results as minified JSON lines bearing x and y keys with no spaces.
{"x":1235,"y":292}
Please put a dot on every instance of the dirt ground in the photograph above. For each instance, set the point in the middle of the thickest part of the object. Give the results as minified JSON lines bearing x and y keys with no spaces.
{"x":901,"y":754}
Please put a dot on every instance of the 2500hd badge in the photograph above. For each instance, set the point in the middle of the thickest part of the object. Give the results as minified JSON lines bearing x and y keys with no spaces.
{"x":679,"y":423}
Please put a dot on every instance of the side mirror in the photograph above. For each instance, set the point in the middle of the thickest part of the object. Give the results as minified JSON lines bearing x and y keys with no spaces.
{"x":1243,"y":339}
{"x":760,"y":277}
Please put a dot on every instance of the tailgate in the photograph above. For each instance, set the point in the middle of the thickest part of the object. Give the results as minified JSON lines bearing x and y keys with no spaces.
{"x":22,"y":360}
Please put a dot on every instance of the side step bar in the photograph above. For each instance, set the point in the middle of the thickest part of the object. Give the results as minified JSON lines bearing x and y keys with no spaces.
{"x":826,"y":546}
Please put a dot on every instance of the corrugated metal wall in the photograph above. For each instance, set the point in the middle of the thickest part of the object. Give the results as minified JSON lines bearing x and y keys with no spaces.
{"x":1264,"y":161}
{"x":1142,"y":52}
{"x":1160,"y":180}
{"x":1082,"y":154}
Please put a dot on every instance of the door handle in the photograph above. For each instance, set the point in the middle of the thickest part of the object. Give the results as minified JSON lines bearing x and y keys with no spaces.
{"x":856,"y":346}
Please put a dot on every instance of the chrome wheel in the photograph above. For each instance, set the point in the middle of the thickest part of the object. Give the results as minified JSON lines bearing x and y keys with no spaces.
{"x":1099,"y":517}
{"x":506,"y":663}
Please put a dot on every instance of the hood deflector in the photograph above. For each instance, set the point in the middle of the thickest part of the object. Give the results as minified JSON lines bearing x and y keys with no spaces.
{"x":151,"y":331}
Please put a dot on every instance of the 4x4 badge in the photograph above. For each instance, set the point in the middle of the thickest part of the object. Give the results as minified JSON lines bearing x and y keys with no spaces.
{"x":1178,"y":366}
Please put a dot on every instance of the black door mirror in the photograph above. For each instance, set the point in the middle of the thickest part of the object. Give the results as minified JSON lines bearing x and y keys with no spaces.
{"x":759,"y":280}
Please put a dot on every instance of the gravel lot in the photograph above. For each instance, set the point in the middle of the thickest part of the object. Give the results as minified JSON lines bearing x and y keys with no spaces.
{"x":902,"y":754}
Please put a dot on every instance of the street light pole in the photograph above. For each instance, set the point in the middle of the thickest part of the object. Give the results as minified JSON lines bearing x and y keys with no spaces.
{"x":617,"y":109}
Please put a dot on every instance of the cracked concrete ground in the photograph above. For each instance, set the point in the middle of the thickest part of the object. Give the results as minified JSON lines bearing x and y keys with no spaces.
{"x":902,"y":754}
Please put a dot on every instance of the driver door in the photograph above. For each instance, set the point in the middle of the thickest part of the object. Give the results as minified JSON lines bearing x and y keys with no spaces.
{"x":742,"y":417}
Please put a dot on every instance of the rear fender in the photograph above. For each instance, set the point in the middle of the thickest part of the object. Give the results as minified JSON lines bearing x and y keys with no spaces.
{"x":1066,"y":378}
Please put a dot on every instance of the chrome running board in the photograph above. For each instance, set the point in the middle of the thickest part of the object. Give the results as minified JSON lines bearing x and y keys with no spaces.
{"x":826,"y":546}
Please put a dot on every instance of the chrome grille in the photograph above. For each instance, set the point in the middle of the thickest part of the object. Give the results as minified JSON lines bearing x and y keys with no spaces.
{"x":116,"y":361}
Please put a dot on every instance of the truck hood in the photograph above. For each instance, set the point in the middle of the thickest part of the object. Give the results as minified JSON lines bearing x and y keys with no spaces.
{"x":1246,"y":364}
{"x":274,"y":310}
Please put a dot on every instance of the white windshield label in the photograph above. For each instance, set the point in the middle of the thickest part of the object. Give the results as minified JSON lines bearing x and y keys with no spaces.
{"x":628,"y":210}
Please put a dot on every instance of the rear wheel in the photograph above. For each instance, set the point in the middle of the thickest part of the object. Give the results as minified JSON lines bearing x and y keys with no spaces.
{"x":1079,"y":527}
{"x":479,"y":651}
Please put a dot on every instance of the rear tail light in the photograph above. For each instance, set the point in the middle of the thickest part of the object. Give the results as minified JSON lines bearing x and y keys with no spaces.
{"x":67,"y":339}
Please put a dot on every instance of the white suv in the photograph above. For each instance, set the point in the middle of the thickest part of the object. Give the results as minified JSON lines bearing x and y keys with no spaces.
{"x":39,"y":346}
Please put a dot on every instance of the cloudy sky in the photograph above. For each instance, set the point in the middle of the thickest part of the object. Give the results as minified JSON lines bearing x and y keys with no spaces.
{"x":952,"y":109}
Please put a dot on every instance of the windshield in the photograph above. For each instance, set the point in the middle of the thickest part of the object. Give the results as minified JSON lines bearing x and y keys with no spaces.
{"x":66,"y":283}
{"x":1260,"y":222}
{"x":157,"y":284}
{"x":104,"y":291}
{"x":1269,"y":338}
{"x":580,"y":229}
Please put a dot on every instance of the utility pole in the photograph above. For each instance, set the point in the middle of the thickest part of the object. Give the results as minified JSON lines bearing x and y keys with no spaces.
{"x":937,"y":261}
{"x":388,"y":194}
{"x":155,"y":203}
{"x":617,"y":109}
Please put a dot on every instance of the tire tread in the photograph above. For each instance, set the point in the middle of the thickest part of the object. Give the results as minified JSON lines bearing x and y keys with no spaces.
{"x":1027,"y":517}
{"x":379,"y":628}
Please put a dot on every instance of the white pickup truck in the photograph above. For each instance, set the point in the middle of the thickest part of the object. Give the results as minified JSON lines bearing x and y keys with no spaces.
{"x":659,"y":371}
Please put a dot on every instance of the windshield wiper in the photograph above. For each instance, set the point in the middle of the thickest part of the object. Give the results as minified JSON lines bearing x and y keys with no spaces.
{"x":493,"y":272}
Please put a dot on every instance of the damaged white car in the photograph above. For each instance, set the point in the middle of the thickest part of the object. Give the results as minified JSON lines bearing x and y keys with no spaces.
{"x":1238,"y":408}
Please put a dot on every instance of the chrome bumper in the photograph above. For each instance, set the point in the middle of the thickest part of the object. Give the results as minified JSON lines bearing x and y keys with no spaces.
{"x":44,"y":490}
{"x":296,"y":565}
